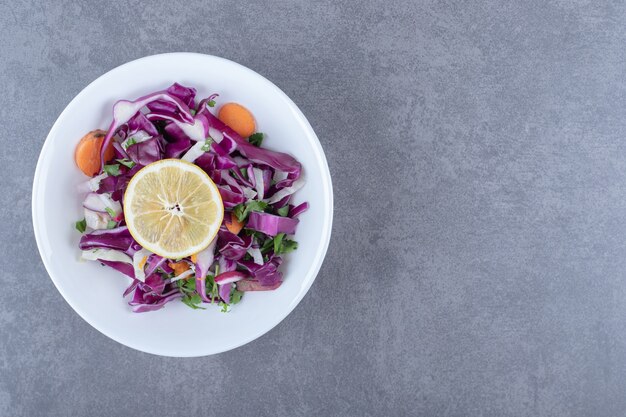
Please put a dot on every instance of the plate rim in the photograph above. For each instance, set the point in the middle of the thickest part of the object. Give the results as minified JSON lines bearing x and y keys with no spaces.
{"x":321,"y":249}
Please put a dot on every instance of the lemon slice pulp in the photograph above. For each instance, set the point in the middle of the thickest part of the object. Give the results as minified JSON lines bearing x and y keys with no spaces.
{"x":173,"y":208}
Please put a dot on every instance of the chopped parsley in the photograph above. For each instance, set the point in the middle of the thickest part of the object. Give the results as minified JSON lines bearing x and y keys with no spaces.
{"x":259,"y":235}
{"x":267,"y":245}
{"x":278,"y":240}
{"x":130,"y":142}
{"x":193,"y":301}
{"x":256,"y":139}
{"x":126,"y":162}
{"x":207,"y":144}
{"x":287,"y":246}
{"x":187,"y":286}
{"x":81,"y":225}
{"x":113,"y":170}
{"x":191,"y":298}
{"x":235,"y":296}
{"x":279,"y":245}
{"x":242,"y":210}
{"x":238,"y":211}
{"x":282,"y":245}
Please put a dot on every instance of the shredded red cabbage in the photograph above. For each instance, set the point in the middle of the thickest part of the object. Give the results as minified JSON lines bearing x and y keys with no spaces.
{"x":256,"y":184}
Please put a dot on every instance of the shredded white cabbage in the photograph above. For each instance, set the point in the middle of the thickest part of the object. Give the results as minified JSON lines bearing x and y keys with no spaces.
{"x":137,"y":258}
{"x":185,"y":274}
{"x":259,"y":183}
{"x":284,"y":192}
{"x":256,"y":255}
{"x":95,"y":220}
{"x":194,"y":152}
{"x":106,"y":255}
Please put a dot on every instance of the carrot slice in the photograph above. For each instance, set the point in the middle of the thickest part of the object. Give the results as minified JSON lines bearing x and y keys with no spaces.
{"x":87,"y":153}
{"x":238,"y":118}
{"x":179,"y":267}
{"x":234,"y":226}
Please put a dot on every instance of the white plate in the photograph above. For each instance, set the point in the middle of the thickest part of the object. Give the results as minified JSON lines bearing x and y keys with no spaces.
{"x":94,"y":291}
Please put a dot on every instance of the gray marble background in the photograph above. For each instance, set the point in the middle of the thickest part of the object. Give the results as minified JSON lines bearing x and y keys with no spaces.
{"x":478,"y":259}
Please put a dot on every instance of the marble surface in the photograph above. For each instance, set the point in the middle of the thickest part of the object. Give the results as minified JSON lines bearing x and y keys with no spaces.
{"x":478,"y":259}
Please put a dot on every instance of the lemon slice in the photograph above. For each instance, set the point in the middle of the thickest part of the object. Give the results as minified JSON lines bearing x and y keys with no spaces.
{"x":173,"y":208}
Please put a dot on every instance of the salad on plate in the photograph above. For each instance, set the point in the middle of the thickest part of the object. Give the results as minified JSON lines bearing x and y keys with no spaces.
{"x":187,"y":203}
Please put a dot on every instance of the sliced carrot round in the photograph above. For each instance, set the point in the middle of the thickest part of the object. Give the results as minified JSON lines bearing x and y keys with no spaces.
{"x":87,"y":154}
{"x":238,"y":118}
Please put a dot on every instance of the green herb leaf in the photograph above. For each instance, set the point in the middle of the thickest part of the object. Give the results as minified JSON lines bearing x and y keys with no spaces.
{"x":192,"y":111}
{"x":211,"y":103}
{"x":238,"y":211}
{"x":211,"y":286}
{"x":283,"y":211}
{"x":110,"y":211}
{"x":130,"y":142}
{"x":224,"y":307}
{"x":255,"y":205}
{"x":256,"y":139}
{"x":260,"y":236}
{"x":111,"y":224}
{"x":242,"y":212}
{"x":81,"y":225}
{"x":207,"y":144}
{"x":187,"y":286}
{"x":193,"y":301}
{"x":267,"y":245}
{"x":113,"y":170}
{"x":288,"y":246}
{"x":215,"y":292}
{"x":235,"y":296}
{"x":279,"y":244}
{"x":278,"y":240}
{"x":126,"y":162}
{"x":210,"y":279}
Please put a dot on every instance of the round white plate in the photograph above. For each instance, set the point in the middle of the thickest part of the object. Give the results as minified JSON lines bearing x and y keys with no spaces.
{"x":94,"y":291}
